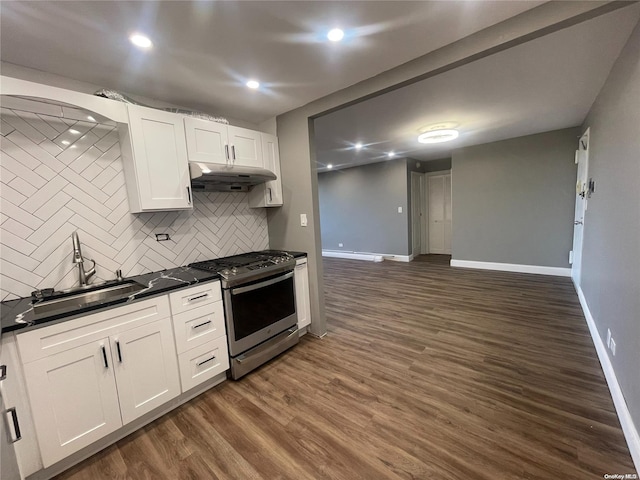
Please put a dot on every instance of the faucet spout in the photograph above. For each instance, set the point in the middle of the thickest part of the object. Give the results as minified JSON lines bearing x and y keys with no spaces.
{"x":83,"y":276}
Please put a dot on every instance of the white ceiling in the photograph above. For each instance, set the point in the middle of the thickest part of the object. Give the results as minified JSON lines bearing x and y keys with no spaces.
{"x":546,"y":84}
{"x":205,"y":51}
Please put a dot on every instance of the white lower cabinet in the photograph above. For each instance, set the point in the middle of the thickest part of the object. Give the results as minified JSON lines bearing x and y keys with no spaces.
{"x":303,"y":305}
{"x":74,"y":399}
{"x":203,"y":362}
{"x":200,"y":333}
{"x":146,"y":368}
{"x":89,"y":376}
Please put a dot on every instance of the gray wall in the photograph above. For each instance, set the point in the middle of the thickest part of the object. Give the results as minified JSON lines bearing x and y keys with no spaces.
{"x":611,"y":251}
{"x":513,"y":200}
{"x":359,"y":208}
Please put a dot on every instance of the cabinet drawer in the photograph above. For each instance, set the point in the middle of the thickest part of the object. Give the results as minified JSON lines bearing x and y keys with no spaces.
{"x":198,"y":326}
{"x":190,"y":298}
{"x":204,"y":362}
{"x":57,"y":338}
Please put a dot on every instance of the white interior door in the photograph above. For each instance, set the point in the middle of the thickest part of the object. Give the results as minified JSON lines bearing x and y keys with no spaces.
{"x":417,"y":201}
{"x":440,"y":214}
{"x":582,"y":159}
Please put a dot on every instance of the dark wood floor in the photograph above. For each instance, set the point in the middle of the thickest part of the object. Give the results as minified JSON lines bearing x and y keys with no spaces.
{"x":427,"y":372}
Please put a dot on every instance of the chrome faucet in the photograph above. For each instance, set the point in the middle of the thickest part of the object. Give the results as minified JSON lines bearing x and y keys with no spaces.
{"x":83,"y":276}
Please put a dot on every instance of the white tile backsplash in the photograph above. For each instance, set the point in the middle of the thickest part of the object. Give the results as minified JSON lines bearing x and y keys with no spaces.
{"x":49,"y":189}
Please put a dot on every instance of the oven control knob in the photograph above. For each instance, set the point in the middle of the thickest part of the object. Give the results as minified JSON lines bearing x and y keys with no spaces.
{"x":234,"y":270}
{"x":225,"y":272}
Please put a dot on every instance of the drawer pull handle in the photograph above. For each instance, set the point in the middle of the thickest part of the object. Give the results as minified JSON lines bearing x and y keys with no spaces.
{"x":198,"y":297}
{"x":201,"y":324}
{"x":118,"y":350}
{"x":205,"y":361}
{"x":104,"y":357}
{"x":16,"y":425}
{"x":3,"y":372}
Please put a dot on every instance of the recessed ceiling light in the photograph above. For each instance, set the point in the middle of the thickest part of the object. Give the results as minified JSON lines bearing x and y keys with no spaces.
{"x":438,"y":136}
{"x":358,"y":146}
{"x":391,"y":154}
{"x":253,"y":84}
{"x":329,"y":166}
{"x":140,"y":40}
{"x":335,"y":35}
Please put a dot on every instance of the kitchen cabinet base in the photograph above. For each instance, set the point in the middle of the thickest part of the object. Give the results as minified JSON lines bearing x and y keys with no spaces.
{"x":128,"y":429}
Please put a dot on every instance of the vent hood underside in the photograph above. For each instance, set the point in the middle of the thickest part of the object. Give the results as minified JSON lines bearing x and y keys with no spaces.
{"x":211,"y":177}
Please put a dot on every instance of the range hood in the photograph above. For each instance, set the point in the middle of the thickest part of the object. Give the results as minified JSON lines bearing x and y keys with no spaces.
{"x":212,"y":177}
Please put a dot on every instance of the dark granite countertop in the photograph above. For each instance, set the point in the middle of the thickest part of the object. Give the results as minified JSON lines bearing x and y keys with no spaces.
{"x":18,"y":314}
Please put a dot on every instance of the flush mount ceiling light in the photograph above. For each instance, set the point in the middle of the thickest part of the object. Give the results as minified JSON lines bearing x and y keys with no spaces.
{"x":358,"y":146}
{"x":335,"y":35}
{"x":141,"y":41}
{"x":329,"y":166}
{"x":253,"y":84}
{"x":391,"y":154}
{"x":438,"y":136}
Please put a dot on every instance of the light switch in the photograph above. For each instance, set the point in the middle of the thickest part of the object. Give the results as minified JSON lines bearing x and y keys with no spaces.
{"x":303,"y":219}
{"x":399,"y":209}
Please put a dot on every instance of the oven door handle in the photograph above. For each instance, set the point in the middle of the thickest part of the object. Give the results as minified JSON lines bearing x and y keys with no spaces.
{"x":256,"y":286}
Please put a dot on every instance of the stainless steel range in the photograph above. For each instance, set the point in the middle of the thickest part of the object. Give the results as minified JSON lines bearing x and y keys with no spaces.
{"x":260,"y":307}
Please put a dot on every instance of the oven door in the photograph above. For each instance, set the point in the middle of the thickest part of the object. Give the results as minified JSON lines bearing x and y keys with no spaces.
{"x":258,"y":311}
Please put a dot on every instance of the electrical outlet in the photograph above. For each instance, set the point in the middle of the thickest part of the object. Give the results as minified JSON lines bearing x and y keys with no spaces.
{"x":303,"y":219}
{"x":608,"y":338}
{"x":399,"y":209}
{"x":613,"y":347}
{"x":341,"y":245}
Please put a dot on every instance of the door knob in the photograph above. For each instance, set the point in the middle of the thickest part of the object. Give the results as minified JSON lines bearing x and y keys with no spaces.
{"x":577,"y":222}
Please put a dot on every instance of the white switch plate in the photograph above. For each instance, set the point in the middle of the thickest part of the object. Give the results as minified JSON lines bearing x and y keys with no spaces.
{"x":609,"y":337}
{"x":613,"y":347}
{"x":340,"y":245}
{"x":399,"y":209}
{"x":303,"y":219}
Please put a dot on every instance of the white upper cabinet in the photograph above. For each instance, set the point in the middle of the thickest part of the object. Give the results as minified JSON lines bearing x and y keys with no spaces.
{"x":268,"y":194}
{"x":213,"y":142}
{"x":206,"y":141}
{"x":246,"y":147}
{"x":155,"y":160}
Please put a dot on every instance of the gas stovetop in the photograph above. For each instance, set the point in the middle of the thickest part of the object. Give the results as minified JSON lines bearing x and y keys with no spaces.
{"x":248,"y":267}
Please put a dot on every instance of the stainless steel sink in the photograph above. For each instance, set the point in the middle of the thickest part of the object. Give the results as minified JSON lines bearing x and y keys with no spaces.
{"x":69,"y":301}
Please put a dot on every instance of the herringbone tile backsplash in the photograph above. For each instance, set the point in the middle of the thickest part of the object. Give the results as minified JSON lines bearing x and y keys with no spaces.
{"x":62,"y":173}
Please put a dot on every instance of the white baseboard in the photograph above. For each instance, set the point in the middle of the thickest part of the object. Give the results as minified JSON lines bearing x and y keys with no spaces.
{"x":398,"y":258}
{"x":372,"y":257}
{"x":513,"y":267}
{"x":628,"y":428}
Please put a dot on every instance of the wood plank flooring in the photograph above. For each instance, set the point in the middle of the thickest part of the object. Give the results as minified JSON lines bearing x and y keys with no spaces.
{"x":427,"y":372}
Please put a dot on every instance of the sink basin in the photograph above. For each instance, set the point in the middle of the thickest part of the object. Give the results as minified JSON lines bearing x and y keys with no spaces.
{"x":69,"y":301}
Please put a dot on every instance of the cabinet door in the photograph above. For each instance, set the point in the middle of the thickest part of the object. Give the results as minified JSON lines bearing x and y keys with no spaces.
{"x":206,"y":141}
{"x":272,"y":162}
{"x":303,"y":307}
{"x":246,"y":147}
{"x":160,"y":159}
{"x":146,"y":368}
{"x":268,"y":194}
{"x":74,"y":400}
